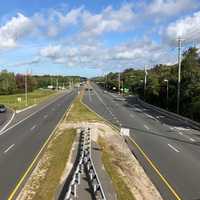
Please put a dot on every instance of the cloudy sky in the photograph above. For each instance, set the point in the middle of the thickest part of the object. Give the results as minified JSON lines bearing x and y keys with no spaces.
{"x":93,"y":37}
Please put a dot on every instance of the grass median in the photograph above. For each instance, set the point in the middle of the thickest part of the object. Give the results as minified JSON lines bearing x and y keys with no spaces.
{"x":35,"y":97}
{"x":58,"y":152}
{"x":111,"y":163}
{"x":80,"y":113}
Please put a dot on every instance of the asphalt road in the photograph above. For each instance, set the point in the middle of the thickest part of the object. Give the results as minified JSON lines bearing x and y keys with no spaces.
{"x":22,"y":141}
{"x":170,"y":144}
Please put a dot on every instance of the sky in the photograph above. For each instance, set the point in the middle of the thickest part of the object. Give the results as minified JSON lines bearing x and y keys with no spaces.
{"x":93,"y":37}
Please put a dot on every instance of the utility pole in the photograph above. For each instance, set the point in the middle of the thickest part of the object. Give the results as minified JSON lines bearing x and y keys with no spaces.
{"x":26,"y":88}
{"x":119,"y":79}
{"x":167,"y":81}
{"x":57,"y":83}
{"x":145,"y":80}
{"x":179,"y":74}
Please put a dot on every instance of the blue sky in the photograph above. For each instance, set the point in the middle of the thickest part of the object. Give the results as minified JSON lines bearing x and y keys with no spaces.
{"x":91,"y":38}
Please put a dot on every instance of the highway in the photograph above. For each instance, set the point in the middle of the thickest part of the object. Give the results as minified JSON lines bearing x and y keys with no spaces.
{"x":21,"y":142}
{"x":171,"y":145}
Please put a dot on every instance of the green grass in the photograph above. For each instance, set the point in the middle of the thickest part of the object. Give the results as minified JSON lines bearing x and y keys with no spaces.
{"x":59,"y":151}
{"x":112,"y":164}
{"x":33,"y":98}
{"x":80,"y":113}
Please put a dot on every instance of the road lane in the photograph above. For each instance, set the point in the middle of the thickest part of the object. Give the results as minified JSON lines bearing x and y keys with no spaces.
{"x":181,"y":168}
{"x":28,"y":143}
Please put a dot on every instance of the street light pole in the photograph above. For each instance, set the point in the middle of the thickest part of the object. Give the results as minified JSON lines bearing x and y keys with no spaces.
{"x":179,"y":74}
{"x":145,"y":80}
{"x":119,"y":79}
{"x":26,"y":89}
{"x":167,"y":81}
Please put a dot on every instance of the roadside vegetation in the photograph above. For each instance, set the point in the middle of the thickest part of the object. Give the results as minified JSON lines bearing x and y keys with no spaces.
{"x":112,"y":162}
{"x":58,"y":153}
{"x":156,"y":89}
{"x":18,"y":101}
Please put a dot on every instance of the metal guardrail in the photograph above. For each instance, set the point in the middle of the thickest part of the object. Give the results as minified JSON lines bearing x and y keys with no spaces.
{"x":189,"y":122}
{"x":85,"y":163}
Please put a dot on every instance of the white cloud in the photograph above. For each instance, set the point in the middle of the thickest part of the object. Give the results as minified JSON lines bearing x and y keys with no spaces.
{"x":51,"y":51}
{"x":15,"y":29}
{"x":108,"y":20}
{"x":169,"y":7}
{"x":135,"y":54}
{"x":188,"y":28}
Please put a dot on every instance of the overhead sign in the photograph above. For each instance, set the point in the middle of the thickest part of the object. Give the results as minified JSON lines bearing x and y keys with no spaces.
{"x":125,"y":132}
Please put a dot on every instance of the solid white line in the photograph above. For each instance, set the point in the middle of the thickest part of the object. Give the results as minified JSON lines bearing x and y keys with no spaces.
{"x":27,"y":108}
{"x":13,"y":115}
{"x":145,"y":126}
{"x":151,"y":117}
{"x":2,"y":132}
{"x":172,"y":147}
{"x":10,"y":147}
{"x":32,"y":128}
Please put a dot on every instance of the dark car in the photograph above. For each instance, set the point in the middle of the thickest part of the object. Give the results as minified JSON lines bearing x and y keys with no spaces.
{"x":2,"y":108}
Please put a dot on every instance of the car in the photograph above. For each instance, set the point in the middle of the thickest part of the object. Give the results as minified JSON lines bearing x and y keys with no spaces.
{"x":2,"y":108}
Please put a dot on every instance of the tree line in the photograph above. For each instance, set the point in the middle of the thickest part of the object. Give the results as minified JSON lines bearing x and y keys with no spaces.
{"x":156,"y":87}
{"x":11,"y":83}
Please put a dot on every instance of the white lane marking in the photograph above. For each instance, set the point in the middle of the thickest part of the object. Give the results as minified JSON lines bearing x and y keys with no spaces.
{"x":181,"y":128}
{"x":189,"y":138}
{"x":6,"y":125}
{"x":33,"y":127}
{"x":9,"y":148}
{"x":193,"y":140}
{"x":46,"y":105}
{"x":151,"y":117}
{"x":172,"y":147}
{"x":180,"y":133}
{"x":145,"y":126}
{"x":45,"y":116}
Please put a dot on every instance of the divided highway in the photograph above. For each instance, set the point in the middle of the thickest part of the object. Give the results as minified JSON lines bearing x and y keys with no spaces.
{"x":22,"y":141}
{"x":170,"y":144}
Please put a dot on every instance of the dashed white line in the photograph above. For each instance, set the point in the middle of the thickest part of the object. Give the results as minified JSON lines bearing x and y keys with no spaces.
{"x":145,"y":126}
{"x":193,"y":140}
{"x":45,"y":116}
{"x":173,"y":148}
{"x":9,"y":148}
{"x":33,"y":127}
{"x":180,"y":133}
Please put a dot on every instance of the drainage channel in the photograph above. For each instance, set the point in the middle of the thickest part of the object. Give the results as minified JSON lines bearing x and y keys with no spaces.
{"x":84,"y":183}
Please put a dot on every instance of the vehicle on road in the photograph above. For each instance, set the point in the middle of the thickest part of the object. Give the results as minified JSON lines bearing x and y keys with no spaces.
{"x":2,"y":108}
